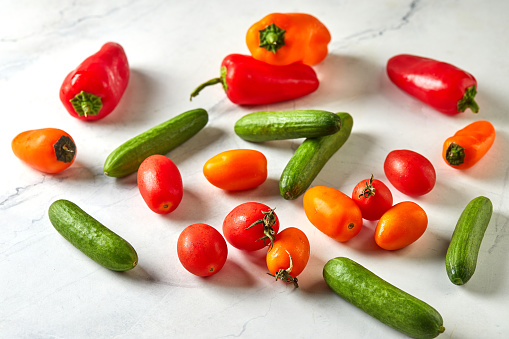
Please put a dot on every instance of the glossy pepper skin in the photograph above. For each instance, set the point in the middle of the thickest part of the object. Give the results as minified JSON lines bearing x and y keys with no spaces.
{"x":248,"y":81}
{"x":443,"y":86}
{"x":93,"y":90}
{"x":468,"y":145}
{"x":285,"y":38}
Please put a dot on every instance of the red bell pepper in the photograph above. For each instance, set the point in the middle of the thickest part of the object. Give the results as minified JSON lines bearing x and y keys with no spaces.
{"x":95,"y":87}
{"x":443,"y":86}
{"x":248,"y":81}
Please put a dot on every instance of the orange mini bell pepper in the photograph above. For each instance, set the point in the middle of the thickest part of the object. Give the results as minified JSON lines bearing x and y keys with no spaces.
{"x":468,"y":145}
{"x":285,"y":38}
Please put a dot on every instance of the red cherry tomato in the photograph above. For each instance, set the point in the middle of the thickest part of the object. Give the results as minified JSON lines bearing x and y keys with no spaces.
{"x":202,"y":250}
{"x":160,"y":184}
{"x":250,"y":226}
{"x":289,"y":255}
{"x":373,"y":197}
{"x":410,"y":172}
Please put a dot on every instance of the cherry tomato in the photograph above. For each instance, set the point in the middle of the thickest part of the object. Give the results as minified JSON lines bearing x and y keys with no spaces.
{"x":373,"y":198}
{"x":251,"y":226}
{"x":401,"y":225}
{"x":410,"y":172}
{"x":332,"y":212}
{"x":289,"y":255}
{"x":160,"y":184}
{"x":236,"y":170}
{"x":202,"y":250}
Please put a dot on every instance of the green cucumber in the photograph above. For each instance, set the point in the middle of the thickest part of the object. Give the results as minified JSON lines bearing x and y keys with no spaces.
{"x":91,"y":237}
{"x":279,"y":125}
{"x":161,"y":139}
{"x":309,"y":159}
{"x":461,"y":257}
{"x":382,"y":300}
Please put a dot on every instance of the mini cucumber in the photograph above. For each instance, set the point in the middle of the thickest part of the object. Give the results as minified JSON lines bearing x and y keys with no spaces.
{"x":461,"y":257}
{"x":160,"y":139}
{"x":310,"y":157}
{"x":279,"y":125}
{"x":382,"y":300}
{"x":91,"y":237}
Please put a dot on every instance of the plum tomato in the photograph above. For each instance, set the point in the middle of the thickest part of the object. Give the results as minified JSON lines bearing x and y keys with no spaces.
{"x":251,"y":226}
{"x":201,"y":249}
{"x":332,"y":212}
{"x":160,"y":184}
{"x":401,"y":225}
{"x":236,"y":170}
{"x":373,"y":197}
{"x":289,"y":255}
{"x":410,"y":172}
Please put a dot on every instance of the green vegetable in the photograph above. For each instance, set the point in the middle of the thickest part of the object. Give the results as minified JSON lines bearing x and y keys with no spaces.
{"x":381,"y":300}
{"x":91,"y":237}
{"x":461,"y":257}
{"x":160,"y":139}
{"x":309,"y":159}
{"x":280,"y":125}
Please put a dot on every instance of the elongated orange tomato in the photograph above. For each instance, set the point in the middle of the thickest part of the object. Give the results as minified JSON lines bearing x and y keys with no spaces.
{"x":289,"y":255}
{"x":49,"y":150}
{"x":237,"y":169}
{"x":286,"y":38}
{"x":468,"y":145}
{"x":401,"y":225}
{"x":332,"y":212}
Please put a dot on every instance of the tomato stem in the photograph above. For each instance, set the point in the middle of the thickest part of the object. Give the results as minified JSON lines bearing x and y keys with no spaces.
{"x":369,"y":190}
{"x":284,"y":274}
{"x":272,"y":38}
{"x":268,"y":221}
{"x":468,"y":100}
{"x":455,"y":154}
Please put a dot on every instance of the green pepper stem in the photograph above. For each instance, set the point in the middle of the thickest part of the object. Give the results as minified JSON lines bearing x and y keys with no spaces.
{"x":202,"y":86}
{"x":86,"y":104}
{"x":272,"y":38}
{"x":468,"y":100}
{"x":455,"y":154}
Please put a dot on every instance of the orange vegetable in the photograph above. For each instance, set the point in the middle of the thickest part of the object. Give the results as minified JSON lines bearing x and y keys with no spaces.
{"x":285,"y":38}
{"x":332,"y":212}
{"x":289,"y":255}
{"x":401,"y":225}
{"x":49,"y":150}
{"x":468,"y":145}
{"x":236,"y":170}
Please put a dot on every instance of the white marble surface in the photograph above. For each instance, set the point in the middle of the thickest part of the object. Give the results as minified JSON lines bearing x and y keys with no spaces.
{"x":48,"y":289}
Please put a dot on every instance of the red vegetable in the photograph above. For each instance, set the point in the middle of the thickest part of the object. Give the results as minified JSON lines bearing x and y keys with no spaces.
{"x":248,"y":81}
{"x":251,"y":226}
{"x":373,"y":197}
{"x":443,"y":86}
{"x":410,"y":172}
{"x":95,"y":87}
{"x":202,"y":250}
{"x":160,"y":184}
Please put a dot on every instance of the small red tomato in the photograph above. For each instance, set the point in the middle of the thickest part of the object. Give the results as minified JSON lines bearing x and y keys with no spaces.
{"x":410,"y":172}
{"x":202,"y":250}
{"x":289,"y":255}
{"x":160,"y":184}
{"x":237,"y":169}
{"x":373,"y":197}
{"x":251,"y":226}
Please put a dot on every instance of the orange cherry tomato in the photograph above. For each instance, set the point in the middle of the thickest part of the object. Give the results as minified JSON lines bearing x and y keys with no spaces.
{"x":236,"y":170}
{"x":49,"y":150}
{"x":401,"y":225}
{"x":468,"y":145}
{"x":332,"y":212}
{"x":289,"y":255}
